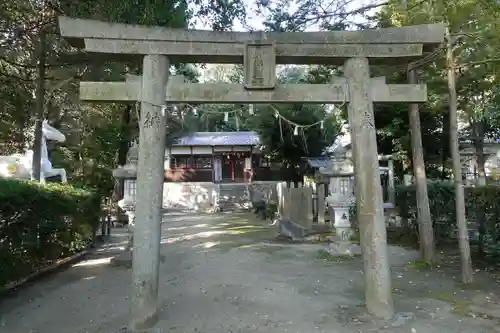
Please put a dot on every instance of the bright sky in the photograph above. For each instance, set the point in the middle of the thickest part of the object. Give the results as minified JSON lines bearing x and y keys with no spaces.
{"x":255,"y":22}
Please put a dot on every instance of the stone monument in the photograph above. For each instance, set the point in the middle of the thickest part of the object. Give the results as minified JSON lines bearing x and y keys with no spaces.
{"x":20,"y":166}
{"x":260,"y":53}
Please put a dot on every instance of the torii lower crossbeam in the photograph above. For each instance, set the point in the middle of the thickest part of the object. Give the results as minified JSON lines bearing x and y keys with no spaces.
{"x":213,"y":93}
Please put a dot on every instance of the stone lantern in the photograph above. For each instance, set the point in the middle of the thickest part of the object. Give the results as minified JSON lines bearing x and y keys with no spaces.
{"x":128,"y":171}
{"x":127,"y":204}
{"x":341,"y":198}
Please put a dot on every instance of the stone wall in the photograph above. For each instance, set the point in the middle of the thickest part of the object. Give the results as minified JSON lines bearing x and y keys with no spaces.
{"x":189,"y":196}
{"x":182,"y":196}
{"x":200,"y":196}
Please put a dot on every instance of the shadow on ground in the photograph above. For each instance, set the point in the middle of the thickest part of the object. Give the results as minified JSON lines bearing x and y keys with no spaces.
{"x":225,"y":273}
{"x":222,"y":232}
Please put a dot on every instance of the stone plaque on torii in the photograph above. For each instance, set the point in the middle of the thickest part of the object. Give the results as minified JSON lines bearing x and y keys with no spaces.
{"x":260,"y":53}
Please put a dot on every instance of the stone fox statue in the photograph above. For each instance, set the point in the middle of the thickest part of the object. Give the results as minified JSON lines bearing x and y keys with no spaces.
{"x":289,"y":229}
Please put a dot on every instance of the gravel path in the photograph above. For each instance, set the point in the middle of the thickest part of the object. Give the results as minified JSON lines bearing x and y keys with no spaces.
{"x":221,"y":276}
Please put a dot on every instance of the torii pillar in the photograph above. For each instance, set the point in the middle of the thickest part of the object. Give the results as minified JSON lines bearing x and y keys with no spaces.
{"x":370,"y":214}
{"x":149,"y":193}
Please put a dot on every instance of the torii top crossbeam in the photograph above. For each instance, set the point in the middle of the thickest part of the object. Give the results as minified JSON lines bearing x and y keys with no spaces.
{"x":387,"y":45}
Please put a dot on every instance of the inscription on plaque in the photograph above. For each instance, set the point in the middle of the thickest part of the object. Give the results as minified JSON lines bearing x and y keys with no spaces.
{"x":260,"y":65}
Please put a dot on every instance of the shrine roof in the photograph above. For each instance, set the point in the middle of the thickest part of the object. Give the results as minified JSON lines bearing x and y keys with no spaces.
{"x":318,"y":162}
{"x":245,"y":138}
{"x":487,"y":140}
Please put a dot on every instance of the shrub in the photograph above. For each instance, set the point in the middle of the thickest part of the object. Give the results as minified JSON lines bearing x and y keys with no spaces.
{"x":42,"y":223}
{"x":481,"y":204}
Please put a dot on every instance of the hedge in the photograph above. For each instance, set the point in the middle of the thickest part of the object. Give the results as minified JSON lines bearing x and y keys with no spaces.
{"x":41,"y":223}
{"x":482,"y":204}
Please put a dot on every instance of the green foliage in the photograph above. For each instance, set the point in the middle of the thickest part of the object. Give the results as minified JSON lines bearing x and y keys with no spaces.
{"x":442,"y":207}
{"x":42,"y":223}
{"x":162,"y":13}
{"x":97,"y":136}
{"x":279,"y":138}
{"x":475,"y":25}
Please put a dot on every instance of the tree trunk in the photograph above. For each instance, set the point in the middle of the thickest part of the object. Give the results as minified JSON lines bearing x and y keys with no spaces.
{"x":445,"y":137}
{"x":478,"y":139}
{"x":40,"y":104}
{"x":125,"y":141}
{"x":119,"y":189}
{"x":463,"y":237}
{"x":426,"y":231}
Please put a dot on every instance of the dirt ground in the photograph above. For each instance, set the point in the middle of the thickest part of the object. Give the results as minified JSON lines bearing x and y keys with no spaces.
{"x":223,"y":273}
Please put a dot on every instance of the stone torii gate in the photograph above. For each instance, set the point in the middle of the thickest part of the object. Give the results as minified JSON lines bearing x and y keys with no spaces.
{"x":260,"y":53}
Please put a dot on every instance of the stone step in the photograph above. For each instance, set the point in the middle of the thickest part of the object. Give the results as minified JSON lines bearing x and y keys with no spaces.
{"x":234,"y":192}
{"x":233,"y":187}
{"x":233,"y":207}
{"x":223,"y":200}
{"x":233,"y":203}
{"x":233,"y":197}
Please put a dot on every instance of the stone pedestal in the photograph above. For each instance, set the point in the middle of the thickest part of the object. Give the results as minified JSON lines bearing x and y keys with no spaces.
{"x":408,"y":179}
{"x":342,"y":222}
{"x":125,"y":259}
{"x":343,"y":248}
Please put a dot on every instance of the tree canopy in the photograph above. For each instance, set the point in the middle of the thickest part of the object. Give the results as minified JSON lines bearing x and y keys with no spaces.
{"x":99,"y":134}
